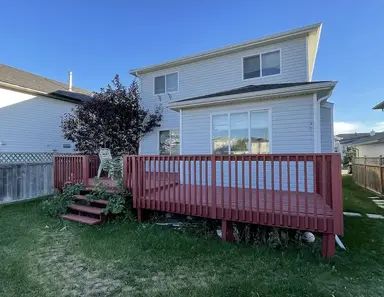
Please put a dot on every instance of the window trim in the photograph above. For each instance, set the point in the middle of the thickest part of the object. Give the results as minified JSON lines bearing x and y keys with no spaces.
{"x":261,"y":64}
{"x":248,"y":111}
{"x":158,"y":140}
{"x":165,"y":79}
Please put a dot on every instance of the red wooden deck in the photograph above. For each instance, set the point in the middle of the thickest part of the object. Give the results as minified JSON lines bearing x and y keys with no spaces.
{"x":301,"y":191}
{"x":306,"y":211}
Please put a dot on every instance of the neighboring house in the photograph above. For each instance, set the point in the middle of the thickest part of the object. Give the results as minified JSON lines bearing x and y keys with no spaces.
{"x":343,"y":141}
{"x":31,"y":110}
{"x":254,"y":97}
{"x":371,"y":145}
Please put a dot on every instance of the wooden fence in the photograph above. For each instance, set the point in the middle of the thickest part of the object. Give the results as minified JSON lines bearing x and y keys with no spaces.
{"x":25,"y":175}
{"x":368,"y":173}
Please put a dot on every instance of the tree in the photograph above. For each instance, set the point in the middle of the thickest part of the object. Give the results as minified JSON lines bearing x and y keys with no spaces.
{"x":114,"y":118}
{"x":349,"y":155}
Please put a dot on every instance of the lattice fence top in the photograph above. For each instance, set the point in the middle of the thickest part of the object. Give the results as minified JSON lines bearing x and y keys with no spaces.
{"x":26,"y":158}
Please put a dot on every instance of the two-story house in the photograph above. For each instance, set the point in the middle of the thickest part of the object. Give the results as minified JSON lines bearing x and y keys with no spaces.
{"x":254,"y":97}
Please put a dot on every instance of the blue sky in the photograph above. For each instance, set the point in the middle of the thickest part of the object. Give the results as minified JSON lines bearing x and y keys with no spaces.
{"x":96,"y":39}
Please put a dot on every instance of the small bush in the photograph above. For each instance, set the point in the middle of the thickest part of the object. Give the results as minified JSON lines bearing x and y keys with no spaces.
{"x":58,"y":205}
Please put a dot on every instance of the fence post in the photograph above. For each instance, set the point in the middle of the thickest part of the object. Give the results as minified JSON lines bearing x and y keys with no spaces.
{"x":213,"y":185}
{"x":85,"y":166}
{"x":125,"y":168}
{"x":380,"y":175}
{"x":365,"y":171}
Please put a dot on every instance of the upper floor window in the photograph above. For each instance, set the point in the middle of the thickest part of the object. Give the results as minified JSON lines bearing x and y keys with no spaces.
{"x":166,"y":83}
{"x":261,"y":65}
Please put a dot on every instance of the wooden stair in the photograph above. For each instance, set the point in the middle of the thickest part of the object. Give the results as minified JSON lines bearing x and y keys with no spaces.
{"x":84,"y":211}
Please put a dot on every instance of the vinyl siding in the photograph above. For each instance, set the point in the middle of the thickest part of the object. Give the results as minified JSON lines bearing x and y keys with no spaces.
{"x":370,"y":150}
{"x":292,"y":125}
{"x":30,"y":123}
{"x":219,"y":74}
{"x":326,"y":133}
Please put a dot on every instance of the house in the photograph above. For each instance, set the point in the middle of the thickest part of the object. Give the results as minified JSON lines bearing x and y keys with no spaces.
{"x":343,"y":141}
{"x":246,"y":136}
{"x":253,"y":97}
{"x":31,"y":110}
{"x":371,"y":145}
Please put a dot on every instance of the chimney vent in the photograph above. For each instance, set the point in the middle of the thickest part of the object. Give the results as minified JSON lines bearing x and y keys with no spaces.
{"x":70,"y":81}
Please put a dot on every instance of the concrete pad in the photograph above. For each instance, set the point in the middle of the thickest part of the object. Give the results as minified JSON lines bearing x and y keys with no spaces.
{"x":375,"y":216}
{"x":352,"y":214}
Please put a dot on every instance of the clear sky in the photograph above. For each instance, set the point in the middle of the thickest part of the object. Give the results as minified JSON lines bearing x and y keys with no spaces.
{"x":97,"y":39}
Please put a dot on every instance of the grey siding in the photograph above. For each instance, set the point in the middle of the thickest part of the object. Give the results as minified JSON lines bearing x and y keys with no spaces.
{"x":326,"y":132}
{"x":292,"y":125}
{"x":218,"y":74}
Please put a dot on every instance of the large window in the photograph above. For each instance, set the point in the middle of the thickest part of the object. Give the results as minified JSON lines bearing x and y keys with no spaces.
{"x":261,"y":65}
{"x":169,"y":142}
{"x":166,"y":83}
{"x":240,"y":133}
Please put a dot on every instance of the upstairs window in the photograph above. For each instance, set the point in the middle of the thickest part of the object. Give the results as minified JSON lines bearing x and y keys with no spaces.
{"x":166,"y":83}
{"x":261,"y":65}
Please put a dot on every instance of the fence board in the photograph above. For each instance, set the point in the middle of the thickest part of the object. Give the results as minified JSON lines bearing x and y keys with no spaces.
{"x":368,"y":173}
{"x":24,"y":181}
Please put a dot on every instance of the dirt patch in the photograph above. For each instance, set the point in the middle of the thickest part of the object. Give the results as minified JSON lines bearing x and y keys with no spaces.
{"x":57,"y":268}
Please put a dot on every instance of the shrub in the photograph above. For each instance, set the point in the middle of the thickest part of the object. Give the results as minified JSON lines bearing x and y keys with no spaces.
{"x":58,"y":205}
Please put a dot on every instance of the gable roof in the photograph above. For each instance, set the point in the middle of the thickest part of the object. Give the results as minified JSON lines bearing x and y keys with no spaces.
{"x":251,"y":92}
{"x":314,"y":30}
{"x":14,"y":78}
{"x":378,"y":137}
{"x":346,"y":138}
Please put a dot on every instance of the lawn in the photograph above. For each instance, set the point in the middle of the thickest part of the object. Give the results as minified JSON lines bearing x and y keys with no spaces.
{"x":41,"y":256}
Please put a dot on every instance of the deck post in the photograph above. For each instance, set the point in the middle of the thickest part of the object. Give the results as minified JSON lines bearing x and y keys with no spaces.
{"x":227,"y":231}
{"x":328,"y":245}
{"x":337,"y":195}
{"x":213,"y":186}
{"x":85,"y":166}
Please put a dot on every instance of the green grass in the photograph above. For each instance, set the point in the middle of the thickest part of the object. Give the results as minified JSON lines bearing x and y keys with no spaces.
{"x":356,"y":198}
{"x":41,"y":256}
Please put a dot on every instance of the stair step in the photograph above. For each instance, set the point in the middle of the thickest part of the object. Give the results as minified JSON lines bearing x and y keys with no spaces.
{"x":108,"y":190}
{"x":81,"y":219}
{"x":84,"y":198}
{"x":86,"y":209}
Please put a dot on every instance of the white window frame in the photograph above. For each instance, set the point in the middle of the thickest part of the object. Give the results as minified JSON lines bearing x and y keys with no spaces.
{"x":165,"y":79}
{"x":248,"y":111}
{"x":261,"y":64}
{"x":158,"y":140}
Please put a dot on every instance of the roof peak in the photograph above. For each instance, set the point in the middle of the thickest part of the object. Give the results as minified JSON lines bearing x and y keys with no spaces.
{"x":230,"y":48}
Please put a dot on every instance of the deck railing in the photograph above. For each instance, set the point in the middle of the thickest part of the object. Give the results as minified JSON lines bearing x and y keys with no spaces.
{"x":300,"y":191}
{"x":74,"y":169}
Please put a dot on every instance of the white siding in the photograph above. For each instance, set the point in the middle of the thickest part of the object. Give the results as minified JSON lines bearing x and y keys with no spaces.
{"x":219,"y":74}
{"x":30,"y":123}
{"x":326,"y":132}
{"x":292,"y":125}
{"x":370,"y":150}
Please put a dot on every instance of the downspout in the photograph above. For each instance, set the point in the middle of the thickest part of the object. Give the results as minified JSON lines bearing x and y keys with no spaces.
{"x":316,"y":120}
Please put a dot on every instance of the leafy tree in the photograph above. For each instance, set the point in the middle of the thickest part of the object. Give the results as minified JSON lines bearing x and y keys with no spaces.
{"x":350,"y":154}
{"x":114,"y":118}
